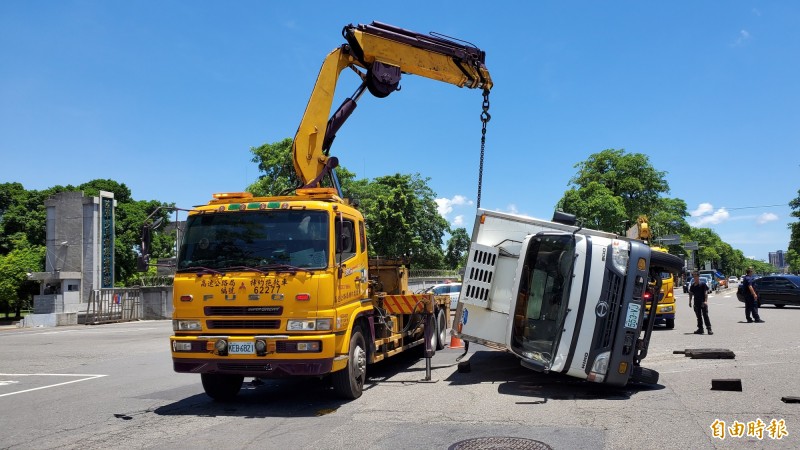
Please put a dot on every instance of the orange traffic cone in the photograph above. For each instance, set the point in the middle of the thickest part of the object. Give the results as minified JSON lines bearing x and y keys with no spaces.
{"x":455,"y":342}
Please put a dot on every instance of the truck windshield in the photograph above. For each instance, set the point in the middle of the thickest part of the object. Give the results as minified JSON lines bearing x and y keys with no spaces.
{"x":543,"y":297}
{"x":255,"y":239}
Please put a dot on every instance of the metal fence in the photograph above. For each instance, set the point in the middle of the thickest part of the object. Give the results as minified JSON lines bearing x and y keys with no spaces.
{"x":114,"y":305}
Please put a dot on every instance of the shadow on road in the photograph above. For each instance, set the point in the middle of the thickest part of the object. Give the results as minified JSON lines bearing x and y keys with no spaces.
{"x":533,"y":387}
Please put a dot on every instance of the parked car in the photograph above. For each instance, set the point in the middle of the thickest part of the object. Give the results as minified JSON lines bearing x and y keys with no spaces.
{"x":709,"y":281}
{"x":777,"y":290}
{"x":732,"y":280}
{"x":451,"y":289}
{"x":686,"y":283}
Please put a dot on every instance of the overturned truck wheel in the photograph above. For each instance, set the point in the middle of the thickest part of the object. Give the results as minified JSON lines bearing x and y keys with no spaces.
{"x":644,"y":376}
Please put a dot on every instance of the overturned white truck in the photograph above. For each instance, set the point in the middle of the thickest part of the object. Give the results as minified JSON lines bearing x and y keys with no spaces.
{"x":560,"y":297}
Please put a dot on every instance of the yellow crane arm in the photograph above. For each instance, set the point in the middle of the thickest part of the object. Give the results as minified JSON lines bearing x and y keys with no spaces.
{"x":385,"y":52}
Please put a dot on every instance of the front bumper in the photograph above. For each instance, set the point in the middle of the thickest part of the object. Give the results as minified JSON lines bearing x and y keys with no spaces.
{"x":282,"y":359}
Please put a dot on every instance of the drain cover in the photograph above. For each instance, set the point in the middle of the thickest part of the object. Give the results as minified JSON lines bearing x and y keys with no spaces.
{"x":498,"y":443}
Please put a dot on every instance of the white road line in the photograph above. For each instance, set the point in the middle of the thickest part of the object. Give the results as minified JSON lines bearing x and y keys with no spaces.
{"x":90,"y":331}
{"x":87,"y":377}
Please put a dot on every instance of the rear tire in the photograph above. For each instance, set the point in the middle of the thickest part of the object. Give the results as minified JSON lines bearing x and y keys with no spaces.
{"x":644,"y":376}
{"x":221,"y":387}
{"x":348,"y":383}
{"x":670,"y":323}
{"x":441,"y":329}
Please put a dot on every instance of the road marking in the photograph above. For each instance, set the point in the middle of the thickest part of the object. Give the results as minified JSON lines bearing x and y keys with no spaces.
{"x":90,"y":331}
{"x":87,"y":377}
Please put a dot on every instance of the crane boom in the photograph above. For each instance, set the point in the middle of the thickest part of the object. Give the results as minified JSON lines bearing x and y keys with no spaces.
{"x":385,"y":52}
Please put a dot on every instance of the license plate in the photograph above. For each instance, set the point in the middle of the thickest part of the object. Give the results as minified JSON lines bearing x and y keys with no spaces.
{"x":241,"y":348}
{"x":632,"y":318}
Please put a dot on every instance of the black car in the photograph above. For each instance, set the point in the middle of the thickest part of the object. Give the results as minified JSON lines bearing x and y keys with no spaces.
{"x":778,"y":290}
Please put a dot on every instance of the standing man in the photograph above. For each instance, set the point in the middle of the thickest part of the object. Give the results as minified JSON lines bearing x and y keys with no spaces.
{"x":699,"y":291}
{"x":750,"y":298}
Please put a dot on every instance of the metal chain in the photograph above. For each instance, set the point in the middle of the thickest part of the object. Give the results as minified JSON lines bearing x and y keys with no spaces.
{"x":485,"y":118}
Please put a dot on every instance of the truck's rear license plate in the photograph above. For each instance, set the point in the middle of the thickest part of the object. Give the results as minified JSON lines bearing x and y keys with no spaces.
{"x":241,"y":348}
{"x":632,"y":318}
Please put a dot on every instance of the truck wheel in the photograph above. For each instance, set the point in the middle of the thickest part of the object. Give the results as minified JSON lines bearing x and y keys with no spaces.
{"x":670,"y":323}
{"x":441,"y":330}
{"x":348,"y":383}
{"x":666,"y":261}
{"x":644,"y":376}
{"x":221,"y":387}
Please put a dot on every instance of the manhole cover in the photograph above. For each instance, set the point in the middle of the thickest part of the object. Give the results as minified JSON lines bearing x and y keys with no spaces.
{"x":499,"y":443}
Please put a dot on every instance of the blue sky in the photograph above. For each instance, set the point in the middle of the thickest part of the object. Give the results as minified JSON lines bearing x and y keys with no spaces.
{"x":168,"y":97}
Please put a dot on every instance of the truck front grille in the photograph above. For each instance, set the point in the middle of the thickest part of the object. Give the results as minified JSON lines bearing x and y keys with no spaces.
{"x":613,"y":298}
{"x":243,"y":311}
{"x":243,"y":324}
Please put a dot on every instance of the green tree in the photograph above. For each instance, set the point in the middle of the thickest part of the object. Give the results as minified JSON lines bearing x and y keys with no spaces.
{"x":613,"y":188}
{"x":596,"y":206}
{"x":16,"y":290}
{"x":793,"y":253}
{"x":22,"y":211}
{"x":457,"y":250}
{"x":403,"y":220}
{"x":276,"y":167}
{"x":629,"y":176}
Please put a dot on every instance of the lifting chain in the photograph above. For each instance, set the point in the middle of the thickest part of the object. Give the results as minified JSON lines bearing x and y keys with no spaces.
{"x":485,"y":118}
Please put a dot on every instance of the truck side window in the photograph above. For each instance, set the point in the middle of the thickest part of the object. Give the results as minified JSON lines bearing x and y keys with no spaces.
{"x":345,"y":240}
{"x":363,"y":235}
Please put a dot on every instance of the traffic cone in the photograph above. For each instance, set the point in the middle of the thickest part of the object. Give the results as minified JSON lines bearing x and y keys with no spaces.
{"x":455,"y":342}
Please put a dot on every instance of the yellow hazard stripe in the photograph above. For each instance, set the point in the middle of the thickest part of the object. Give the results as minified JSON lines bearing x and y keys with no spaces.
{"x":403,"y":304}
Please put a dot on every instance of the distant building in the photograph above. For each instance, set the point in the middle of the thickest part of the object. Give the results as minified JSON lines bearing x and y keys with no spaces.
{"x":79,"y":251}
{"x":778,"y":259}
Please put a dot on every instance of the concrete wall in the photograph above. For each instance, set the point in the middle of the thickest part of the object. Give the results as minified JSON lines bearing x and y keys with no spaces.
{"x":156,"y":302}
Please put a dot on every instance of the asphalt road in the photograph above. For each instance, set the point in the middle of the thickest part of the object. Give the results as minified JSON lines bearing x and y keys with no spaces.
{"x":112,"y":386}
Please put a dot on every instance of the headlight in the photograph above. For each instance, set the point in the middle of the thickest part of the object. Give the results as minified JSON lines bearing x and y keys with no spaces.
{"x":309,"y":324}
{"x":620,"y":254}
{"x":599,"y":368}
{"x":186,"y":325}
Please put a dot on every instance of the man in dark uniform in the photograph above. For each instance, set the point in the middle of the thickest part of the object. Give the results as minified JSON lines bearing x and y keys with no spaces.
{"x":750,"y":298}
{"x":699,"y":291}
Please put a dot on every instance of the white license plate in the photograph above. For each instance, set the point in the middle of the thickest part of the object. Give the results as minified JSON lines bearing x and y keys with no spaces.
{"x":632,"y":318}
{"x":241,"y":348}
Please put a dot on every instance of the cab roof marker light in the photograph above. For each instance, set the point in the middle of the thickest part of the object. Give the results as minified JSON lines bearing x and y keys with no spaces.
{"x":231,"y":195}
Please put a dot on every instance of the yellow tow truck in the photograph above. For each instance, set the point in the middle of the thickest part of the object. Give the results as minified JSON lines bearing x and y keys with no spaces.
{"x":282,"y":286}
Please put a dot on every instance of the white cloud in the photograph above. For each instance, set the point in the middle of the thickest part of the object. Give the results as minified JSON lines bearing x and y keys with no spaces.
{"x":703,"y":209}
{"x":705,"y":215}
{"x":744,"y":35}
{"x":458,"y":221}
{"x":445,"y":205}
{"x":512,"y":209}
{"x":766,"y":217}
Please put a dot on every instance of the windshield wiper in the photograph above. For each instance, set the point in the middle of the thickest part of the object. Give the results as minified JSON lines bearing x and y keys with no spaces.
{"x":244,"y":268}
{"x":282,"y":268}
{"x":201,"y":270}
